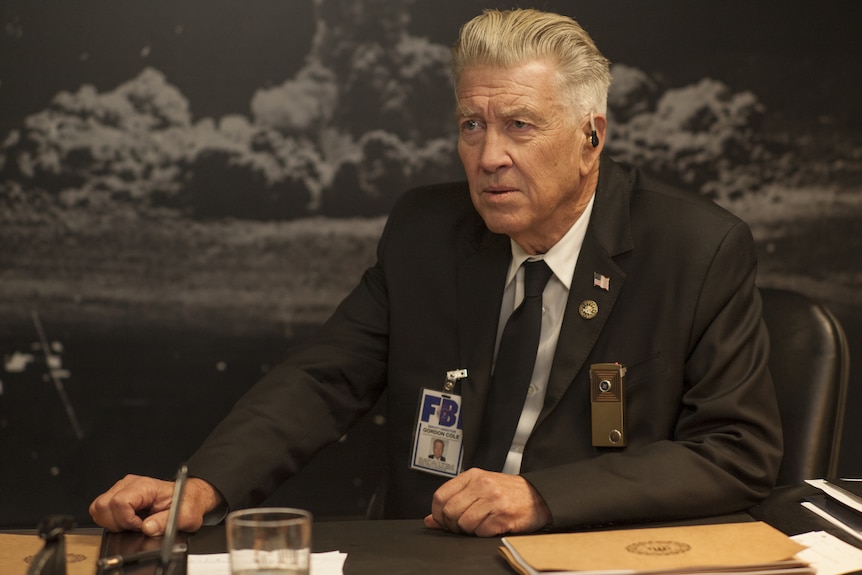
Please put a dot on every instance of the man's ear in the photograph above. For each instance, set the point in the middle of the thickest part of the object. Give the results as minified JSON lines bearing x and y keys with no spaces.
{"x":595,"y":129}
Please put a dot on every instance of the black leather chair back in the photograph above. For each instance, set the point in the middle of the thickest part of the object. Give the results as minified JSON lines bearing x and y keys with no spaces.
{"x":810,"y":364}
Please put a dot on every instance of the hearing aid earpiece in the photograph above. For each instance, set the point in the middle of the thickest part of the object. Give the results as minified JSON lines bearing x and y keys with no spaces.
{"x":594,"y":138}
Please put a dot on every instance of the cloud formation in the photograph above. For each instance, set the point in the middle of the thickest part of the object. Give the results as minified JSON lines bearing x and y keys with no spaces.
{"x":367,"y":115}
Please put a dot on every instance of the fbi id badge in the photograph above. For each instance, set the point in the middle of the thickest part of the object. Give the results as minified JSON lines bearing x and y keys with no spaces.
{"x":438,"y":440}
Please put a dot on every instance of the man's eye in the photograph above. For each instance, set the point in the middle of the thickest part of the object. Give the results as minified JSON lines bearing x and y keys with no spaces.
{"x":470,"y":125}
{"x":519,"y":124}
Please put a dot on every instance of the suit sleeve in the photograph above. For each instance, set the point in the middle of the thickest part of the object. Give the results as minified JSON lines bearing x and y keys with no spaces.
{"x":727,"y":442}
{"x":305,"y":403}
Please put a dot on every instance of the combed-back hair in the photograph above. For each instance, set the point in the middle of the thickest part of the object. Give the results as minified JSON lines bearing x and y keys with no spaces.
{"x":507,"y":38}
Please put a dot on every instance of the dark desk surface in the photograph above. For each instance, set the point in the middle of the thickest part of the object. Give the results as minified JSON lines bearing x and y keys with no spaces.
{"x":388,"y":546}
{"x":408,"y":547}
{"x":396,"y":547}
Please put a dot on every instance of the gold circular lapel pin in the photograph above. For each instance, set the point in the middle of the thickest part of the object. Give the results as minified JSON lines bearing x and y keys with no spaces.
{"x":588,"y":309}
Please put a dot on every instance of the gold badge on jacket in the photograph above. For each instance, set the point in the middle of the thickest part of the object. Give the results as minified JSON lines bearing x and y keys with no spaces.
{"x":588,"y":309}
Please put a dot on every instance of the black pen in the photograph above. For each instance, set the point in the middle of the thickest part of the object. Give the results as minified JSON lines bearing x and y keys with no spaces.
{"x":115,"y":561}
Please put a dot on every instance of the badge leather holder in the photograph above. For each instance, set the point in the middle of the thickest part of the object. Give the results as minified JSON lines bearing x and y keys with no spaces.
{"x":607,"y":404}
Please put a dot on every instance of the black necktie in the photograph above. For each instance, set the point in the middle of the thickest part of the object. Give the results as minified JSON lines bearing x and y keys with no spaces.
{"x":513,"y":371}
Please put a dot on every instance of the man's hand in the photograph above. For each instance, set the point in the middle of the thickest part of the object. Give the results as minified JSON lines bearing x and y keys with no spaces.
{"x":139,"y":503}
{"x":485,"y":503}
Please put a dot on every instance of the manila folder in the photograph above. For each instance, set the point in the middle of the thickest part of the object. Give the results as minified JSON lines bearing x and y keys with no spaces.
{"x":697,"y":548}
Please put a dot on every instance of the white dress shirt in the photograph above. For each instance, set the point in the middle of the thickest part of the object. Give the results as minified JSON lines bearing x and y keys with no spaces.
{"x":562,"y":259}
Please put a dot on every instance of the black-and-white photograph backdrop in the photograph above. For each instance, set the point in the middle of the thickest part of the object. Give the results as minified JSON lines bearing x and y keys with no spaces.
{"x":188,"y":187}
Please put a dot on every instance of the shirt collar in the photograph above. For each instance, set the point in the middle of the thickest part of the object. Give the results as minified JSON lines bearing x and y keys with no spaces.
{"x":563,"y":256}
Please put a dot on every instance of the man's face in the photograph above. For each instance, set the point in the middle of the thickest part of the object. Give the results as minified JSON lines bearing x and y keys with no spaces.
{"x":438,"y":449}
{"x":522,"y":152}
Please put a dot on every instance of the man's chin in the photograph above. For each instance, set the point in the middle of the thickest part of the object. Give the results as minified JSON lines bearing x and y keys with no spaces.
{"x":501,"y":223}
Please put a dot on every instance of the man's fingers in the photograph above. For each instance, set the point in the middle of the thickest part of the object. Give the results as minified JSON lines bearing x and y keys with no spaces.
{"x":469,"y":510}
{"x":112,"y":513}
{"x":127,"y":501}
{"x":431,"y":523}
{"x":138,"y":503}
{"x":120,"y":519}
{"x":154,"y":525}
{"x":487,"y":504}
{"x":452,"y":500}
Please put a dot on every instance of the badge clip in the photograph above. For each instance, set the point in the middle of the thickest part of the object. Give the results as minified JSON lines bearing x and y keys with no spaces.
{"x":452,"y":377}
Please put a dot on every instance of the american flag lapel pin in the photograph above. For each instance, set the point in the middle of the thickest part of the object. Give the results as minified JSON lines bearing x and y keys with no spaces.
{"x":601,"y":281}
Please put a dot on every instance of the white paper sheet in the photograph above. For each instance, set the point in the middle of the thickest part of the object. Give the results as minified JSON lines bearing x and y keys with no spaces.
{"x":828,"y":554}
{"x":330,"y":563}
{"x":834,"y":491}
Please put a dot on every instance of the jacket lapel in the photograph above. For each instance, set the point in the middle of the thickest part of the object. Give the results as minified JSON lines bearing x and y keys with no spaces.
{"x":578,"y":333}
{"x":608,"y":235}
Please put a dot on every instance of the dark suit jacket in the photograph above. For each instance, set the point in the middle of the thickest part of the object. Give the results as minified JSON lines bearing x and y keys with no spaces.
{"x":682,"y":313}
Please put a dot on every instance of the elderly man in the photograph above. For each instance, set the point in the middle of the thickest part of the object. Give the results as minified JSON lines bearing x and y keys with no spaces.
{"x":629,"y":384}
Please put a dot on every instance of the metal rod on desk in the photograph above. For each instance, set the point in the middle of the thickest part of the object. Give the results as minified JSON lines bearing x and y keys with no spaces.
{"x":116,"y":561}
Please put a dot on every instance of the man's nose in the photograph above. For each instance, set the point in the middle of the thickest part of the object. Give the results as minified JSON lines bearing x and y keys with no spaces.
{"x":495,"y":154}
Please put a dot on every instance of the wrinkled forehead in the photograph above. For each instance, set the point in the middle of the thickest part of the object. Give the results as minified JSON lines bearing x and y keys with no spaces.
{"x":524,"y":89}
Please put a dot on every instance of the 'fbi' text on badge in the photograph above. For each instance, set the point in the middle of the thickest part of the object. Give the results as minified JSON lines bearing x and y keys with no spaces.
{"x":441,"y":410}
